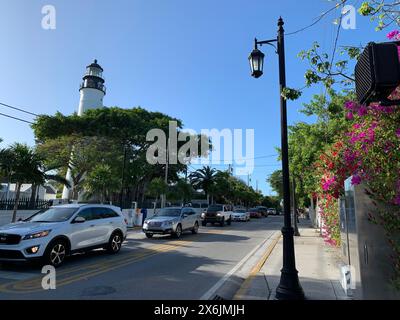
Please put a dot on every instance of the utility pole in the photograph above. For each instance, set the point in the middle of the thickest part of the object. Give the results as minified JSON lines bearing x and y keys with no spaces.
{"x":296,"y":229}
{"x":164,"y":196}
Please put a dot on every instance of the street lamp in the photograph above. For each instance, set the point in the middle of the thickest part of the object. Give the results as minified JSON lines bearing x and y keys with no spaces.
{"x":289,"y":287}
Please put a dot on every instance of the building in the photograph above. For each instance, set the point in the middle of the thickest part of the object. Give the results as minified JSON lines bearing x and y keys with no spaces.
{"x":45,"y":192}
{"x":92,"y":91}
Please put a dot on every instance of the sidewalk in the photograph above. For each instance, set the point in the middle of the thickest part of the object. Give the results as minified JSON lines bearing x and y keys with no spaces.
{"x":317,"y":263}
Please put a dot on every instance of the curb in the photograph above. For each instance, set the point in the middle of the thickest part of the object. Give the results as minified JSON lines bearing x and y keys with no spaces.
{"x":228,"y":286}
{"x":241,"y":293}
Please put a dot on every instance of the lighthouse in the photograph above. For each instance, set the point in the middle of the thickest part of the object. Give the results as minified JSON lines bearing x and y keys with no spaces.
{"x":92,"y":91}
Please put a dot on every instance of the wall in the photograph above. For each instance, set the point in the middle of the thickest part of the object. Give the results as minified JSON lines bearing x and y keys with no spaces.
{"x":368,"y":247}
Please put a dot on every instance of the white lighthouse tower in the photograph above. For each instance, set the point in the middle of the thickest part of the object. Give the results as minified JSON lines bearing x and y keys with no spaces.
{"x":92,"y":91}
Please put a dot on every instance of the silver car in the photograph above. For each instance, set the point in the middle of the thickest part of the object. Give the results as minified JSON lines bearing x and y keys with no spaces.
{"x":173,"y":221}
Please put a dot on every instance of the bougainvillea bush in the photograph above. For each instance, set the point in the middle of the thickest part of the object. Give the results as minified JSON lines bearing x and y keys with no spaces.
{"x":369,"y":152}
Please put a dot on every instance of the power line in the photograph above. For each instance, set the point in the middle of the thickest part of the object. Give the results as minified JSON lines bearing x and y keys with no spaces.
{"x":15,"y":118}
{"x":18,"y":109}
{"x":318,"y":19}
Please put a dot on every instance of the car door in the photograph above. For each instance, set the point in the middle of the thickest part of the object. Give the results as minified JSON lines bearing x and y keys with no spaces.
{"x":85,"y":234}
{"x":192,"y":217}
{"x":104,"y":219}
{"x":186,"y":217}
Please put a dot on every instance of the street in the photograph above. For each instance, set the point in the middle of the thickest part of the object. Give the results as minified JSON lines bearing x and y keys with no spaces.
{"x":157,"y":268}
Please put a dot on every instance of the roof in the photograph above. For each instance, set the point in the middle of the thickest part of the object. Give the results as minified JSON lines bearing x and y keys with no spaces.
{"x":95,"y":65}
{"x":79,"y":205}
{"x":50,"y":189}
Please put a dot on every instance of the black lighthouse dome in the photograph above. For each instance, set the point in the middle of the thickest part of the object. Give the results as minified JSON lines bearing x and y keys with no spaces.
{"x":93,"y":77}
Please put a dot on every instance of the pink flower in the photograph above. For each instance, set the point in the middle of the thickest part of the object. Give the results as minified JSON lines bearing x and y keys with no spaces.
{"x":393,"y":35}
{"x":349,"y":116}
{"x":398,"y":133}
{"x":355,"y":180}
{"x":350,"y":105}
{"x":362,"y":111}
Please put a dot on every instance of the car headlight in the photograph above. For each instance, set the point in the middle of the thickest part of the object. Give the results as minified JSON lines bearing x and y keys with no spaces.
{"x":36,"y":235}
{"x":167,"y":223}
{"x":219,"y":214}
{"x":203,"y":214}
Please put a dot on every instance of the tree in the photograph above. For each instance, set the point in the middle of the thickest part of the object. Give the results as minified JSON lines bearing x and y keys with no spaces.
{"x":156,"y":188}
{"x":386,"y":13}
{"x":103,"y":136}
{"x":276,"y":182}
{"x":101,"y":182}
{"x":23,"y":165}
{"x":271,"y":202}
{"x":6,"y":165}
{"x":204,"y":179}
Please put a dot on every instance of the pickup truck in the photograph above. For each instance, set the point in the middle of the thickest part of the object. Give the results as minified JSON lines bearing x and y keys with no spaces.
{"x":217,"y":213}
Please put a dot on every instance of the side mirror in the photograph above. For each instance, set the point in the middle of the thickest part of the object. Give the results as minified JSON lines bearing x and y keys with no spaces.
{"x":185,"y":215}
{"x":79,"y":220}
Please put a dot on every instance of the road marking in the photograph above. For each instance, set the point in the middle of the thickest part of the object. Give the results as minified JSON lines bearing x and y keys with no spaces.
{"x":246,"y":284}
{"x":91,"y":270}
{"x":211,"y":292}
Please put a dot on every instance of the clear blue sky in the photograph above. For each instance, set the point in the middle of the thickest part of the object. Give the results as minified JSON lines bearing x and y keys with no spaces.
{"x":187,"y":58}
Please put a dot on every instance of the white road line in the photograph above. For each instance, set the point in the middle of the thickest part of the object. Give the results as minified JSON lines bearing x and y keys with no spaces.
{"x":211,"y":292}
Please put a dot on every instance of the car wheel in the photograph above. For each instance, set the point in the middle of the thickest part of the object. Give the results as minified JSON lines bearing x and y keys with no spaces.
{"x":149,"y":235}
{"x":222,"y":223}
{"x":203,"y":223}
{"x":178,"y":231}
{"x":55,"y":253}
{"x":229,"y":222}
{"x":115,"y":243}
{"x":195,"y":229}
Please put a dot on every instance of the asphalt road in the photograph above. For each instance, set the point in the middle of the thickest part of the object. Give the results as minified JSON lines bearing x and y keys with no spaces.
{"x":157,"y":268}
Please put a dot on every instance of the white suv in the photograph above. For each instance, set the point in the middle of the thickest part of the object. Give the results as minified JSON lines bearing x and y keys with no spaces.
{"x":54,"y":233}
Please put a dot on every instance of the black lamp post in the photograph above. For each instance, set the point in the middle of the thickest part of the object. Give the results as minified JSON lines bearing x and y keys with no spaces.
{"x":289,"y":287}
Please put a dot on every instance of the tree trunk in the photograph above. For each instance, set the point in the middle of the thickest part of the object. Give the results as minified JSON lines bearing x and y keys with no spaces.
{"x":18,"y":192}
{"x":208,"y":199}
{"x":32,"y":200}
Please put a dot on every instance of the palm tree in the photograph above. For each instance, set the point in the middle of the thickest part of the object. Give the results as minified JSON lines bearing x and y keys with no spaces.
{"x":204,"y":179}
{"x":101,"y":181}
{"x":6,"y":166}
{"x":157,"y":187}
{"x":26,"y":167}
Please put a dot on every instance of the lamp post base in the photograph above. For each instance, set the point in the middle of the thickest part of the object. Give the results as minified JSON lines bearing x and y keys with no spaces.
{"x":289,"y":287}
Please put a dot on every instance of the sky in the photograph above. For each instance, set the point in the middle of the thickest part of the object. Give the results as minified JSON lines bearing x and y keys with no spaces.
{"x":185,"y":58}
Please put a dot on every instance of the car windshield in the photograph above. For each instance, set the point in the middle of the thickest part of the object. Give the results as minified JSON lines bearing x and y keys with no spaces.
{"x":214,"y":208}
{"x":253,"y":210}
{"x":239,"y":211}
{"x":53,"y":215}
{"x":169,"y":212}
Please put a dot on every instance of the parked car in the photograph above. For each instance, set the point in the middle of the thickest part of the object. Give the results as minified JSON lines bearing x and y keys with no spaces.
{"x":273,"y":211}
{"x":173,"y":221}
{"x":255,"y":213}
{"x":52,"y":234}
{"x":217,"y":213}
{"x":263,"y":210}
{"x":240,"y":215}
